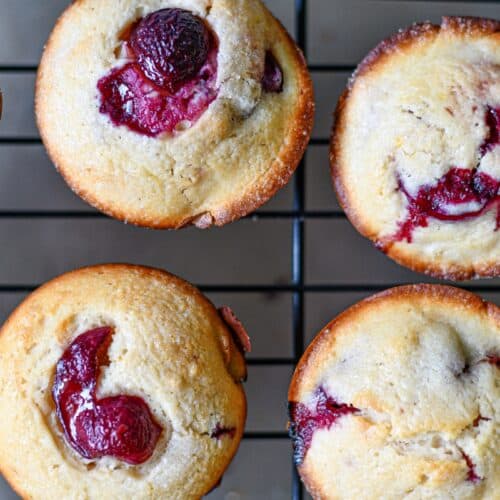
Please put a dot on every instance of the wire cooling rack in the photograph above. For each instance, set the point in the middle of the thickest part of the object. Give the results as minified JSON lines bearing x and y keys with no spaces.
{"x":14,"y":283}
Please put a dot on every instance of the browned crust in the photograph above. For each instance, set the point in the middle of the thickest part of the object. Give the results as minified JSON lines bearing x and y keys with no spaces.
{"x":118,"y":268}
{"x":237,"y":440}
{"x":450,"y":272}
{"x":279,"y":173}
{"x":419,"y":32}
{"x":403,"y":40}
{"x":398,"y":41}
{"x":167,"y":277}
{"x":325,"y":339}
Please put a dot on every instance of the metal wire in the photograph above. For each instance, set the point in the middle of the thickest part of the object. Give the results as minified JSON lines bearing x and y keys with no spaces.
{"x":298,"y":241}
{"x":327,"y":288}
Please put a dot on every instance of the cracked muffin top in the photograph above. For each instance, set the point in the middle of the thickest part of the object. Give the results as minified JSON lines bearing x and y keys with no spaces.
{"x":168,"y":113}
{"x":119,"y":379}
{"x":415,"y":151}
{"x":399,"y":396}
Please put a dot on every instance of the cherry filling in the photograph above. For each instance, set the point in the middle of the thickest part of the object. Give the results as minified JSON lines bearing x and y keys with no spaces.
{"x":304,"y":420}
{"x":458,"y":195}
{"x":118,"y":426}
{"x":170,"y":79}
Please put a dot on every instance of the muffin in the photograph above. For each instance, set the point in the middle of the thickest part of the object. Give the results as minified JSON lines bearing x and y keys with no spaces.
{"x":399,"y":397}
{"x":415,"y":148}
{"x":168,"y":113}
{"x":119,"y":381}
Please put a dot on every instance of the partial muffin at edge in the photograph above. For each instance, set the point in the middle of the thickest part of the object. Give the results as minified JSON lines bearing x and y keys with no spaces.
{"x":416,"y":132}
{"x":170,"y":347}
{"x":399,"y":396}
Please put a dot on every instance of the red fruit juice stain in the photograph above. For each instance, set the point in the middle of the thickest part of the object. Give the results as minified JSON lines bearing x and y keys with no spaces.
{"x":458,"y":195}
{"x":219,"y":432}
{"x":472,"y":475}
{"x":493,"y":359}
{"x":306,"y":420}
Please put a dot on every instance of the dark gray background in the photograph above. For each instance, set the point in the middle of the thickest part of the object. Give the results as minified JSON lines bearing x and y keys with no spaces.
{"x":250,"y":252}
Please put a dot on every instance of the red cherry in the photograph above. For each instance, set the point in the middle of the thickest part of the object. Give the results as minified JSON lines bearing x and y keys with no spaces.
{"x":150,"y":95}
{"x":171,"y":46}
{"x":119,"y":426}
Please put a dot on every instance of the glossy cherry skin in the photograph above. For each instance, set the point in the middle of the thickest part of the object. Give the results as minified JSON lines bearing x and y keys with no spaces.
{"x":170,"y":75}
{"x":171,"y":46}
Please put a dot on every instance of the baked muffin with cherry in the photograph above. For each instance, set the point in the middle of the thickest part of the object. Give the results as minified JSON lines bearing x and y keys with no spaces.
{"x":399,"y":397}
{"x":415,"y":150}
{"x":165,"y":114}
{"x":120,"y":381}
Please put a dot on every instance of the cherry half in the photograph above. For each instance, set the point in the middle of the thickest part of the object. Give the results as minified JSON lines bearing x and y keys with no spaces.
{"x":458,"y":195}
{"x":171,"y":46}
{"x":118,"y":426}
{"x":170,"y":77}
{"x":305,"y":421}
